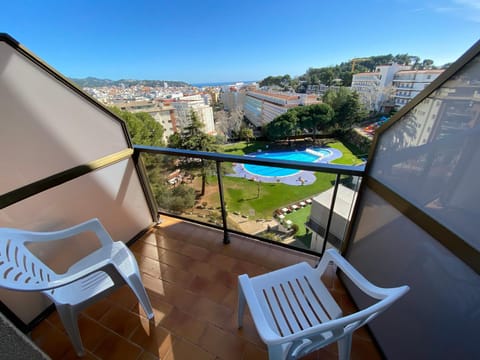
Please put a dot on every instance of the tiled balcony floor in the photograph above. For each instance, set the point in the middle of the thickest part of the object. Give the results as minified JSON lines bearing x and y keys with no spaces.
{"x":191,"y":278}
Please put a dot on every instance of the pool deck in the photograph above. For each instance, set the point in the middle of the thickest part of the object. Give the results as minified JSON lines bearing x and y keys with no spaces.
{"x":299,"y":178}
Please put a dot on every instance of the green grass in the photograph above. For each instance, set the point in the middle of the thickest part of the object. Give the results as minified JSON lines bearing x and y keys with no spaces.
{"x":348,"y":158}
{"x":299,"y":217}
{"x":242,"y":147}
{"x":241,"y":194}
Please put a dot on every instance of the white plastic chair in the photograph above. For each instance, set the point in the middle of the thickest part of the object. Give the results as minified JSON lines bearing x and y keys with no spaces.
{"x":295,"y":314}
{"x":92,"y":277}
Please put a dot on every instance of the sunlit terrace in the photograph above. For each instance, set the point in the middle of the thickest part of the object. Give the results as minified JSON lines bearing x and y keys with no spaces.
{"x":412,"y":220}
{"x":191,"y":278}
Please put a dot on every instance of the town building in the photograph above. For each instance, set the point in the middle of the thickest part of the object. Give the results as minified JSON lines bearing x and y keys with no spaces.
{"x":408,"y":84}
{"x":263,"y":107}
{"x":196,"y":103}
{"x":163,"y":112}
{"x":375,"y":88}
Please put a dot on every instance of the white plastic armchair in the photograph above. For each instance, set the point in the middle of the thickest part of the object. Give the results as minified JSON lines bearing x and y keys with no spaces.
{"x":295,"y":314}
{"x":90,"y":278}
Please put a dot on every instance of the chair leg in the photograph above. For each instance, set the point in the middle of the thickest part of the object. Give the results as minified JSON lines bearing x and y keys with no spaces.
{"x":70,"y":323}
{"x":344,"y":347}
{"x":275,"y":352}
{"x":138,"y":289}
{"x":241,"y":306}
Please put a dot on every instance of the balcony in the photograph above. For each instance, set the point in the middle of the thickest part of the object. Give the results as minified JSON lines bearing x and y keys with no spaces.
{"x":190,"y":276}
{"x":66,"y":159}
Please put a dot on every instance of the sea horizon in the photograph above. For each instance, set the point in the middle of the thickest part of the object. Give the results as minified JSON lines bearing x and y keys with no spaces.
{"x":222,"y":83}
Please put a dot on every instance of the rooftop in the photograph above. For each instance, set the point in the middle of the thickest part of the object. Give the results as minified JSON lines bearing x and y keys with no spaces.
{"x":192,"y":284}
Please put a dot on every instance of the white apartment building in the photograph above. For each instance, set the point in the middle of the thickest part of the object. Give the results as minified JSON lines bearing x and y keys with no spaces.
{"x":262,"y":107}
{"x":409,"y":83}
{"x":163,"y":113}
{"x":232,"y":98}
{"x":196,"y":103}
{"x":375,"y":88}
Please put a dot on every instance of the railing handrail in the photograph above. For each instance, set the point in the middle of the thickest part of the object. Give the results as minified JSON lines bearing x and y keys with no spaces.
{"x":357,"y":170}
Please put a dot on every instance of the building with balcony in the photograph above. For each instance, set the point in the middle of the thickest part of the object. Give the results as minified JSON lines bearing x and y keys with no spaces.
{"x":65,"y":158}
{"x":196,"y":103}
{"x":163,"y":113}
{"x":375,"y":88}
{"x":409,"y":83}
{"x":262,"y":107}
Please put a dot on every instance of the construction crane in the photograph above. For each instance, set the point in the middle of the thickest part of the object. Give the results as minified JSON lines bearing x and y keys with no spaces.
{"x":354,"y":61}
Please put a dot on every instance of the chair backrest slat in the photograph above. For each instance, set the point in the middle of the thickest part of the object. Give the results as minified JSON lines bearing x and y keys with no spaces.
{"x":20,"y":269}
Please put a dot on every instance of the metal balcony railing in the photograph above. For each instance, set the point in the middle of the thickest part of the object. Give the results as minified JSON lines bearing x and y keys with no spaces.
{"x":217,"y":190}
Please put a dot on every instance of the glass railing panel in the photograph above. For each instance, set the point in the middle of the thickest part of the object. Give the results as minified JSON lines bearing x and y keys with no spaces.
{"x":185,"y":186}
{"x":267,"y":199}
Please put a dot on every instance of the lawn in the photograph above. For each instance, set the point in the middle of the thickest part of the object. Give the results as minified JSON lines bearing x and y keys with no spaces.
{"x":299,"y":217}
{"x":243,"y":195}
{"x":348,"y":158}
{"x":242,"y":148}
{"x":261,"y":200}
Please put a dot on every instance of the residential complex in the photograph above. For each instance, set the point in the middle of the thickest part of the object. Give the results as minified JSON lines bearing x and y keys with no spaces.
{"x":391,"y":86}
{"x":375,"y":88}
{"x":262,"y":107}
{"x":408,"y":83}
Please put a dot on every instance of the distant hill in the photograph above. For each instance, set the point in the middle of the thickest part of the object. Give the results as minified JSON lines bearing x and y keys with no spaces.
{"x":95,"y":82}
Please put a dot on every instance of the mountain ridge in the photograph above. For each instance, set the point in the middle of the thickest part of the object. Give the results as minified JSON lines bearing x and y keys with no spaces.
{"x":91,"y":81}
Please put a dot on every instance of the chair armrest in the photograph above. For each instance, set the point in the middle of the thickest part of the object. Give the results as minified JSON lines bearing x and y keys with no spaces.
{"x":358,"y":279}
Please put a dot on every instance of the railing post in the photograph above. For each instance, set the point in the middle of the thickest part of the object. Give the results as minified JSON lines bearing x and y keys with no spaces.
{"x":226,"y":238}
{"x":330,"y":214}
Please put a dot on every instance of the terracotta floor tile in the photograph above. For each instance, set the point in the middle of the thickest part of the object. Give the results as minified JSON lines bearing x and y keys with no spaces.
{"x":251,"y":269}
{"x":254,"y":352}
{"x":148,"y":356}
{"x":226,"y":278}
{"x":51,"y":340}
{"x":231,"y":299}
{"x":175,"y":259}
{"x":175,"y":274}
{"x":196,"y":252}
{"x":147,"y":250}
{"x":194,"y":297}
{"x":114,"y":346}
{"x":222,"y":344}
{"x":203,"y":269}
{"x":209,"y":311}
{"x":184,"y":350}
{"x":222,"y":262}
{"x":154,"y":339}
{"x":248,"y":331}
{"x":212,"y":290}
{"x":123,"y":297}
{"x":98,"y":309}
{"x":121,"y":321}
{"x":184,"y":325}
{"x":149,"y":266}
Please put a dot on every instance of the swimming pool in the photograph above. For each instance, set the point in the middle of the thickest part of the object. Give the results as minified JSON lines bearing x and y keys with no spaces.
{"x":309,"y":155}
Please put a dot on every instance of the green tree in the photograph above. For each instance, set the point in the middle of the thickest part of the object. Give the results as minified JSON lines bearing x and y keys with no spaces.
{"x":193,"y":138}
{"x":347,"y":107}
{"x":318,"y":117}
{"x":282,"y":126}
{"x":246,"y":134}
{"x":143,"y":128}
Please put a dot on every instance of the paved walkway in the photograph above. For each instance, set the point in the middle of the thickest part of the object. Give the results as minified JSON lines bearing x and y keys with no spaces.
{"x":299,"y":178}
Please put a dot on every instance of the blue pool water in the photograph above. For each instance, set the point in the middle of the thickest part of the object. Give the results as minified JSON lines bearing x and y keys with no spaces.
{"x":284,"y":155}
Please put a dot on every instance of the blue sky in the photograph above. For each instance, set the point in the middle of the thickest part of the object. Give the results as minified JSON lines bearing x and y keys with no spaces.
{"x":231,"y":40}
